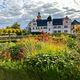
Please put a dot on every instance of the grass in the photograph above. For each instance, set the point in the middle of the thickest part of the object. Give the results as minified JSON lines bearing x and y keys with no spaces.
{"x":32,"y":59}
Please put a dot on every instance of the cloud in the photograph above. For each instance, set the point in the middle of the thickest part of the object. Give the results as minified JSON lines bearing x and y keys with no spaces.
{"x":19,"y":10}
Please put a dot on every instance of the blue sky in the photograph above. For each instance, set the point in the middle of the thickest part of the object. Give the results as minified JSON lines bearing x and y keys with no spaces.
{"x":23,"y":11}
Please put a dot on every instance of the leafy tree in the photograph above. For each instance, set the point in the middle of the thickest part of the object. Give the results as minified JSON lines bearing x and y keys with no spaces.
{"x":24,"y":31}
{"x":16,"y":25}
{"x":77,"y":28}
{"x":8,"y":27}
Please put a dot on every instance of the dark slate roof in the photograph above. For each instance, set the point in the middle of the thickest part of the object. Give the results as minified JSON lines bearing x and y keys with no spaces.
{"x":75,"y":22}
{"x":42,"y":22}
{"x":58,"y":21}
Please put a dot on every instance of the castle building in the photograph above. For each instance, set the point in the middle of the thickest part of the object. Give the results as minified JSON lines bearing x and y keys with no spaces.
{"x":50,"y":25}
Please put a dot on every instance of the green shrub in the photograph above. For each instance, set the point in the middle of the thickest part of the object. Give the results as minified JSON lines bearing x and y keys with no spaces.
{"x":72,"y":43}
{"x":50,"y":67}
{"x":42,"y":67}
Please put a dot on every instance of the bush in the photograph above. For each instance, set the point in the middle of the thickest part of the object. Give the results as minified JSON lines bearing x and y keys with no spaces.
{"x":42,"y":67}
{"x":54,"y":67}
{"x":72,"y":43}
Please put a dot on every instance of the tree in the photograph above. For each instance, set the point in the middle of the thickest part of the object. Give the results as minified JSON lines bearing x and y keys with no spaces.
{"x":77,"y":28}
{"x":16,"y":25}
{"x":77,"y":31}
{"x":1,"y":31}
{"x":8,"y":27}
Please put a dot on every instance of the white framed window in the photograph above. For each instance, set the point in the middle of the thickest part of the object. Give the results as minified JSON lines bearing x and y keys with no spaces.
{"x":49,"y":29}
{"x":55,"y":31}
{"x":55,"y":27}
{"x":59,"y":31}
{"x":65,"y":26}
{"x":65,"y":30}
{"x":45,"y":27}
{"x":59,"y":26}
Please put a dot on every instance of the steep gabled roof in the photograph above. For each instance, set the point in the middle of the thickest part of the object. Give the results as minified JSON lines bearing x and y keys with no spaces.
{"x":42,"y":22}
{"x":49,"y":18}
{"x":58,"y":21}
{"x":75,"y":22}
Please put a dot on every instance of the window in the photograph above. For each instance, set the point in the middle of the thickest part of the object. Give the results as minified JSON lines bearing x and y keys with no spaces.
{"x":65,"y":26}
{"x":55,"y":26}
{"x":55,"y":31}
{"x":59,"y":26}
{"x":66,"y":21}
{"x":34,"y":23}
{"x":45,"y":27}
{"x":36,"y":28}
{"x":41,"y":27}
{"x":49,"y":29}
{"x":65,"y":30}
{"x":59,"y":31}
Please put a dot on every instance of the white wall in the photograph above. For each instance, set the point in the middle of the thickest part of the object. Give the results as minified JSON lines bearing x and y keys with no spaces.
{"x":67,"y":22}
{"x":50,"y":27}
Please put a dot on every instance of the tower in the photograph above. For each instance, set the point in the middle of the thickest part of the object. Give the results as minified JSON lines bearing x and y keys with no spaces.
{"x":67,"y":24}
{"x":49,"y":19}
{"x":49,"y":24}
{"x":39,"y":16}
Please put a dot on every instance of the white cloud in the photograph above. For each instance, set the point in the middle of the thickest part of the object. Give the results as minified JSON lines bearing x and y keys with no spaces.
{"x":27,"y":9}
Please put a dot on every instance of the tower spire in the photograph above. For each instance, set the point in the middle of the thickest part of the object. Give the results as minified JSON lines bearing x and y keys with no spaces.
{"x":39,"y":16}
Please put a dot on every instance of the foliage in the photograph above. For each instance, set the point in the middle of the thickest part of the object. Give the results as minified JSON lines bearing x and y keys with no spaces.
{"x":22,"y":32}
{"x":43,"y":37}
{"x":39,"y":59}
{"x":54,"y":67}
{"x":72,"y":43}
{"x":16,"y":25}
{"x":60,"y":66}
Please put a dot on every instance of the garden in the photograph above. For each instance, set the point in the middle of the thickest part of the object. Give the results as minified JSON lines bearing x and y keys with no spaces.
{"x":41,"y":57}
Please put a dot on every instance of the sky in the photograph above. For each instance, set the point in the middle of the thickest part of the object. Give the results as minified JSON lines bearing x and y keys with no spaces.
{"x":23,"y":11}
